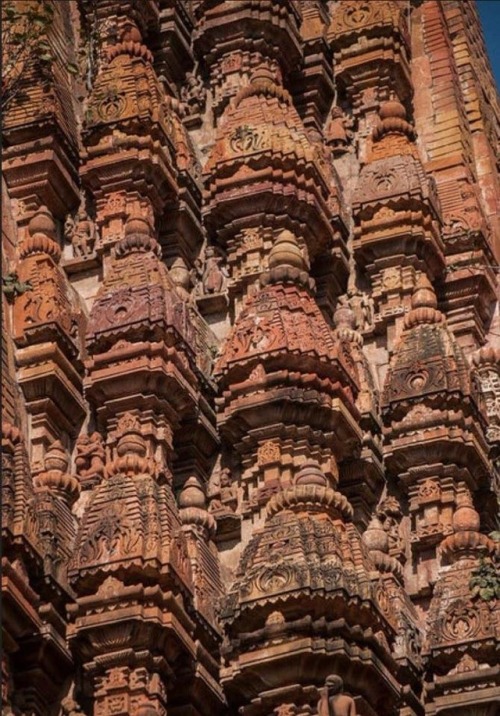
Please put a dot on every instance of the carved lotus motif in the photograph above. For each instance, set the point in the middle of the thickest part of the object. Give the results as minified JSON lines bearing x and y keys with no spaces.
{"x":461,"y":622}
{"x":277,"y":578}
{"x":112,"y":105}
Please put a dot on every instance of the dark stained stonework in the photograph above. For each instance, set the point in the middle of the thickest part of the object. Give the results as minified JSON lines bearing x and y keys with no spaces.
{"x":251,"y":361}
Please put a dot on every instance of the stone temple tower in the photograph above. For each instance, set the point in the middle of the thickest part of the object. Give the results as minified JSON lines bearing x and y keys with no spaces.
{"x":250,"y":359}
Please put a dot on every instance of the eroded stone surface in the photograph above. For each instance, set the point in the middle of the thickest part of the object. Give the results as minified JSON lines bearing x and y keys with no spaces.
{"x":251,"y":361}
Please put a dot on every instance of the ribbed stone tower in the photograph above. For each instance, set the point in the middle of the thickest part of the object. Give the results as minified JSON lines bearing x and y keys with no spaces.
{"x":250,"y":359}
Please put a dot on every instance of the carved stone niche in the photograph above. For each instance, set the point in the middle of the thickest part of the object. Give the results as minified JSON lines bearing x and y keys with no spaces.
{"x":431,"y":506}
{"x":223,"y":502}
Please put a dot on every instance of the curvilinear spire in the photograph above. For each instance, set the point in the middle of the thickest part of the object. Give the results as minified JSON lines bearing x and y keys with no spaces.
{"x":250,"y":359}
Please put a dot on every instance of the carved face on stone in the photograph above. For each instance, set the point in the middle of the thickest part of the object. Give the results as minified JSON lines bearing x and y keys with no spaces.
{"x":333,"y":684}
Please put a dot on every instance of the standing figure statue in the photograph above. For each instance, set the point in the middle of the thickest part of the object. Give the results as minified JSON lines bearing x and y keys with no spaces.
{"x":90,"y":457}
{"x":333,"y":701}
{"x":213,"y":276}
{"x":193,"y":93}
{"x":83,"y":234}
{"x":339,"y":132}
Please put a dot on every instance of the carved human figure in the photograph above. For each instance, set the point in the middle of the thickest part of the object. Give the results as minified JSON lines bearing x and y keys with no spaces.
{"x":213,"y":277}
{"x":362,"y":307}
{"x":83,"y":235}
{"x":193,"y":93}
{"x":90,"y":455}
{"x":333,"y":701}
{"x":222,"y":493}
{"x":69,"y":228}
{"x":229,"y":491}
{"x":368,"y":312}
{"x":389,"y":513}
{"x":339,"y":131}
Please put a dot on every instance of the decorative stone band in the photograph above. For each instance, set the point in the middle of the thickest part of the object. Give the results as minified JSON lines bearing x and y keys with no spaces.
{"x":462,"y":543}
{"x":59,"y":482}
{"x":131,"y":465}
{"x":311,"y":498}
{"x":40,"y":244}
{"x":134,"y":49}
{"x":198,"y":517}
{"x":139,"y":243}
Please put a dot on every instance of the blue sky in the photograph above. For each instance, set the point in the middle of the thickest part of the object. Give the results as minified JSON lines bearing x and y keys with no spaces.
{"x":489,"y":11}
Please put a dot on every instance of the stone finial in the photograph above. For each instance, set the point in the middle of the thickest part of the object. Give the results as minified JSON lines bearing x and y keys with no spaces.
{"x":424,"y":305}
{"x":344,"y":317}
{"x":54,"y":477}
{"x":392,"y":109}
{"x":42,"y":236}
{"x":375,"y":537}
{"x":130,"y":43}
{"x":376,"y":540}
{"x":310,"y":490}
{"x":465,"y":518}
{"x":131,"y":440}
{"x":310,"y":474}
{"x":287,"y":263}
{"x":286,"y":251}
{"x":393,"y":120}
{"x":192,"y":494}
{"x":193,"y":508}
{"x":56,"y":457}
{"x":181,"y":276}
{"x":264,"y":76}
{"x":138,"y":238}
{"x":466,"y":538}
{"x":487,"y":356}
{"x":131,"y":451}
{"x":423,"y":295}
{"x":42,"y":223}
{"x":131,"y":33}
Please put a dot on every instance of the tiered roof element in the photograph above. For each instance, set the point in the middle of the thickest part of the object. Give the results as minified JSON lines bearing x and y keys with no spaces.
{"x":304,"y":568}
{"x":282,"y":354}
{"x":463,"y":618}
{"x":250,"y":359}
{"x":434,"y":425}
{"x":263,"y":151}
{"x":233,"y":38}
{"x":396,"y":213}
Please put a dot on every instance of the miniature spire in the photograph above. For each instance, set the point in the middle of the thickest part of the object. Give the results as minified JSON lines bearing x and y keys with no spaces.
{"x":193,"y":507}
{"x":287,"y":263}
{"x":424,"y":305}
{"x":137,"y":238}
{"x":466,"y":537}
{"x":42,"y":236}
{"x":312,"y":492}
{"x":55,"y":477}
{"x":393,"y":120}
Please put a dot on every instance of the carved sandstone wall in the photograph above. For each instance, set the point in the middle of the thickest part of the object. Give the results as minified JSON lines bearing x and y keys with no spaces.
{"x":250,"y":360}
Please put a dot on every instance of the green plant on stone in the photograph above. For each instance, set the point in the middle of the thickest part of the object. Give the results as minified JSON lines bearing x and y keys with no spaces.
{"x":485,"y":581}
{"x":12,"y":287}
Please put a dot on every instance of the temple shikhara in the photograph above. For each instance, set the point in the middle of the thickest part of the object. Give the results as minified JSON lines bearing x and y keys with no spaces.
{"x":250,"y":359}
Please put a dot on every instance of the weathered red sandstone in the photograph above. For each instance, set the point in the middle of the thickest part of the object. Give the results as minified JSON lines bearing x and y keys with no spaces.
{"x":251,"y":360}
